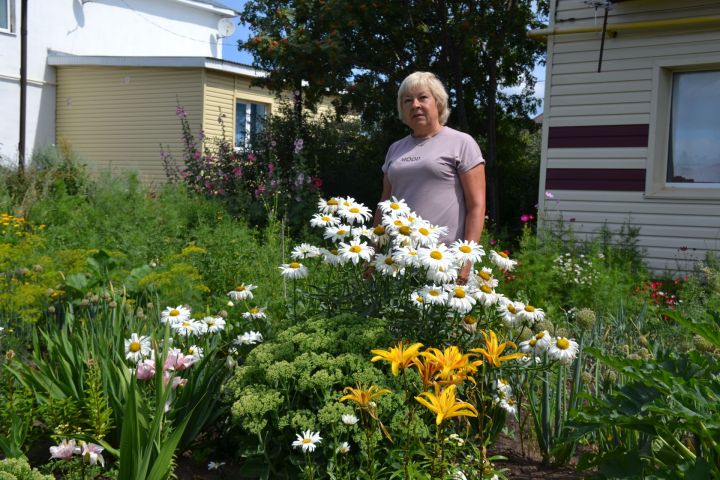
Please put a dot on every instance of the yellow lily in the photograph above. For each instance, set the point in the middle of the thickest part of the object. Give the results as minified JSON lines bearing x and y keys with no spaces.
{"x":398,"y":356}
{"x":427,"y":369}
{"x":363,"y":397}
{"x":444,"y":404}
{"x":454,"y":366}
{"x":493,"y":351}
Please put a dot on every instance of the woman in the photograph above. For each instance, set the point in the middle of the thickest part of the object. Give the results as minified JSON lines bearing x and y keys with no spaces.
{"x":439,"y":171}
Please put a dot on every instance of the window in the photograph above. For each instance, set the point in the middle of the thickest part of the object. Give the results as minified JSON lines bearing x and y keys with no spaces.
{"x":6,"y":18}
{"x":684,"y":136}
{"x":694,"y":137}
{"x":249,"y":120}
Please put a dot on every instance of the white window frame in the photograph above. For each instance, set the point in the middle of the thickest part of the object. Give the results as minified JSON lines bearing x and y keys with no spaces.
{"x":248,"y":121}
{"x":10,"y":11}
{"x":656,"y":184}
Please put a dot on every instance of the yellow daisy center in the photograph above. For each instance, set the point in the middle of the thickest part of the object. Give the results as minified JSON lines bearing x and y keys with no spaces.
{"x":241,"y":288}
{"x":562,"y":343}
{"x":186,"y":324}
{"x":419,"y":299}
{"x":529,"y":308}
{"x":434,"y":293}
{"x":332,"y":201}
{"x":134,"y":347}
{"x":294,"y":265}
{"x":254,"y":310}
{"x":306,"y":440}
{"x":341,"y":232}
{"x":412,"y":253}
{"x":174,"y":312}
{"x":540,"y":335}
{"x":389,"y":261}
{"x":325,"y":218}
{"x":334,"y":251}
{"x":436,"y":255}
{"x":405,"y":230}
{"x":469,"y":320}
{"x":532,"y":342}
{"x":395,"y":206}
{"x":379,"y":230}
{"x":398,"y":223}
{"x":354,"y":210}
{"x":459,"y":292}
{"x":424,"y":231}
{"x":356,"y":249}
{"x":510,"y":307}
{"x":486,"y":289}
{"x":465,"y":249}
{"x":485,"y":276}
{"x":503,"y":254}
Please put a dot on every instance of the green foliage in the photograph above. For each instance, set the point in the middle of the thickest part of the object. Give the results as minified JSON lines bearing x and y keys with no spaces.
{"x":19,"y":469}
{"x":292,"y":383}
{"x":664,"y":414}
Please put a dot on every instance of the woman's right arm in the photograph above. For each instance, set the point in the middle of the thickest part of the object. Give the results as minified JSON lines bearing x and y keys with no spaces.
{"x":386,"y":192}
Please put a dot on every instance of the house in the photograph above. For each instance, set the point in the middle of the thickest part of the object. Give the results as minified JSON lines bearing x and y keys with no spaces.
{"x":106,"y":76}
{"x":631,"y":126}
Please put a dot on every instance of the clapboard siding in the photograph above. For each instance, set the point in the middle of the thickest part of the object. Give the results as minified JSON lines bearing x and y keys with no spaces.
{"x":219,"y":100}
{"x":673,"y":232}
{"x":116,"y":118}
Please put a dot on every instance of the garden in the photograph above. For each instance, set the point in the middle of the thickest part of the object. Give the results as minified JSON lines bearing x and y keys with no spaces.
{"x":240,"y":322}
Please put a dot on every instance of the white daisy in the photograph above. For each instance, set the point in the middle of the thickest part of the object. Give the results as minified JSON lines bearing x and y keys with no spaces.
{"x":407,"y":256}
{"x":343,"y":448}
{"x":362,"y":231}
{"x":485,"y":277}
{"x":214,"y":324}
{"x":509,"y":311}
{"x":349,"y":419}
{"x":394,"y":206}
{"x":502,"y":260}
{"x":331,"y":257}
{"x":423,"y":234}
{"x":509,"y":405}
{"x":305,"y":250}
{"x":380,"y":236}
{"x":255,"y":312}
{"x":386,"y":265}
{"x":417,"y":299}
{"x":564,"y":350}
{"x":394,"y":222}
{"x":503,"y":387}
{"x":531,"y":314}
{"x":354,"y":213}
{"x":467,"y":251}
{"x":196,"y":352}
{"x":355,"y":251}
{"x":442,"y":275}
{"x":485,"y":296}
{"x":328,"y":206}
{"x":537,"y":344}
{"x":242,"y":292}
{"x":436,"y":257}
{"x":308,"y":441}
{"x":186,"y":327}
{"x":469,"y":323}
{"x":460,"y":298}
{"x":323,"y":220}
{"x":136,"y":347}
{"x":293,"y":270}
{"x":434,"y":295}
{"x":337,"y":233}
{"x":174,"y":315}
{"x":249,"y":338}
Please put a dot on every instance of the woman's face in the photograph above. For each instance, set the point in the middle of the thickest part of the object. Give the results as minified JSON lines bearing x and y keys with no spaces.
{"x":420,"y":112}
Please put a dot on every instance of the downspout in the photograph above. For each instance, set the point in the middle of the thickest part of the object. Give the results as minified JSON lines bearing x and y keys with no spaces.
{"x":23,"y":84}
{"x":708,"y":20}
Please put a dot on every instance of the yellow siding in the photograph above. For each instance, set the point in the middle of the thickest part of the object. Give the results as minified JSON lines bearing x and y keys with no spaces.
{"x":116,"y":118}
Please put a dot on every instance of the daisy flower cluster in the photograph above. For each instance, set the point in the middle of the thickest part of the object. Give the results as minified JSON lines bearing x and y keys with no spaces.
{"x":578,"y":270}
{"x":504,"y":398}
{"x":405,"y":246}
{"x":183,"y":324}
{"x":562,"y":349}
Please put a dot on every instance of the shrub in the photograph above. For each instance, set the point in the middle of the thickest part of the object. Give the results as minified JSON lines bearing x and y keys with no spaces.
{"x":19,"y":469}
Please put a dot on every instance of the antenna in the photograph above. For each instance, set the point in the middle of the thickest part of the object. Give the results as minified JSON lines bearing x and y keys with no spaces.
{"x":226,"y":27}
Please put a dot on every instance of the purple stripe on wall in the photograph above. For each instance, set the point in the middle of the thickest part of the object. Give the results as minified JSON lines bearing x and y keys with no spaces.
{"x":614,"y":179}
{"x":599,"y":136}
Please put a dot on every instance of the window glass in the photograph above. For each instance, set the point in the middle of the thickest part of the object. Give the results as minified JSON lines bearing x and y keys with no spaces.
{"x":249,"y":121}
{"x":4,"y":14}
{"x":694,"y":141}
{"x":240,"y":128}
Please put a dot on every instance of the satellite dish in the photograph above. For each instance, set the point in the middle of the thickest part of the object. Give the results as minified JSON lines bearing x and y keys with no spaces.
{"x":226,"y":27}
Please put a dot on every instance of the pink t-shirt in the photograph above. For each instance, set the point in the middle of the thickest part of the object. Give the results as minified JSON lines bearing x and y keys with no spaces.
{"x":426,"y":173}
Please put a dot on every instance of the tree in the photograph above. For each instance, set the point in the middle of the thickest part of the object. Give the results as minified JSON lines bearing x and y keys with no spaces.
{"x":359,"y":52}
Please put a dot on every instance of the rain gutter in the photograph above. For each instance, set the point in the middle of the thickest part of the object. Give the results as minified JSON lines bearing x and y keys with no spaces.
{"x":612,"y":29}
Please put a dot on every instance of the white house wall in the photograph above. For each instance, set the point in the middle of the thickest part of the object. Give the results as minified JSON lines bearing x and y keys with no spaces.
{"x":98,"y":27}
{"x":674,"y":231}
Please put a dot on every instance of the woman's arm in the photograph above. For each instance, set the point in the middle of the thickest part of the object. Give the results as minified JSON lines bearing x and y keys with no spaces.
{"x":473,"y":184}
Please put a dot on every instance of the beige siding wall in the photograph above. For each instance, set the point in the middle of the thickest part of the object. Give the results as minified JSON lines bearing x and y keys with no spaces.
{"x":674,"y":231}
{"x":116,"y":118}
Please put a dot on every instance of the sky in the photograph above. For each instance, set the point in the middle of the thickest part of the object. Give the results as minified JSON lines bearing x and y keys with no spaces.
{"x":231,"y":52}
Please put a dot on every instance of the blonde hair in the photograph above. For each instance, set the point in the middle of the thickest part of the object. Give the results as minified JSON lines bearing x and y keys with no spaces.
{"x":431,"y":82}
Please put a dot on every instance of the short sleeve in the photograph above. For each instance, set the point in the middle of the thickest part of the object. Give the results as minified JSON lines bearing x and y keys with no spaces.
{"x":469,"y":155}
